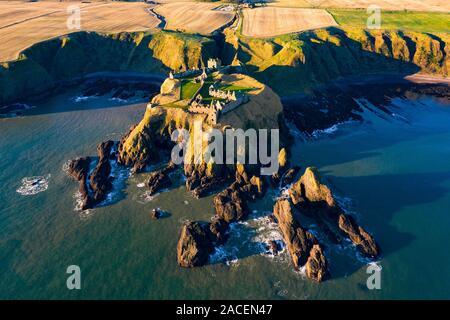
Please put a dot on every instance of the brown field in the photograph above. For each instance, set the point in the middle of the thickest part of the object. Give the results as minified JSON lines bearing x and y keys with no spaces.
{"x":194,"y":17}
{"x":271,"y":21}
{"x":23,"y":23}
{"x":415,"y":5}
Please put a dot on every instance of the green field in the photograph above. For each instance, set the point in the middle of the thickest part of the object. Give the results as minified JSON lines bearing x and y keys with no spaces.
{"x":433,"y":22}
{"x":188,"y":88}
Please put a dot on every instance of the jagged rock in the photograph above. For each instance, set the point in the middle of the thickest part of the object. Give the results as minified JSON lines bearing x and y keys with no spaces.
{"x":79,"y":169}
{"x":229,"y":205}
{"x":207,"y":185}
{"x":194,"y":245}
{"x":290,"y":175}
{"x":316,"y":266}
{"x":218,"y":228}
{"x":160,"y":179}
{"x":100,"y":179}
{"x":201,"y":181}
{"x":298,"y":241}
{"x":314,"y":198}
{"x":301,"y":244}
{"x":363,"y":240}
{"x":310,"y":189}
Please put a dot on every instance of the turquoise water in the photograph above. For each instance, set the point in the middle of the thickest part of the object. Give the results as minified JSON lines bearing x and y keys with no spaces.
{"x":394,"y":175}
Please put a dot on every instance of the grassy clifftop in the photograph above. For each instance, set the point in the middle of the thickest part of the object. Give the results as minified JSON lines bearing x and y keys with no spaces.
{"x":294,"y":63}
{"x":75,"y":55}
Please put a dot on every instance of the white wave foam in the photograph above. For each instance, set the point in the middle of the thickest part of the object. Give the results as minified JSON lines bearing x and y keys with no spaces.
{"x":34,"y":185}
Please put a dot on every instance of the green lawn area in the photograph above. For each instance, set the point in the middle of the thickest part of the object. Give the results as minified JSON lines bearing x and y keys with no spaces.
{"x":434,"y":22}
{"x":188,"y":88}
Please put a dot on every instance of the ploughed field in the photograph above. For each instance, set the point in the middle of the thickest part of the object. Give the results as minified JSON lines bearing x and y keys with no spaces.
{"x":416,"y":5}
{"x":194,"y":17}
{"x":272,"y":21}
{"x":23,"y":24}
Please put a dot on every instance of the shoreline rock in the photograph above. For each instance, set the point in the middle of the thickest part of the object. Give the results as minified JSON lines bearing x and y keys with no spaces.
{"x":160,"y":179}
{"x":315,"y":199}
{"x":302,"y":246}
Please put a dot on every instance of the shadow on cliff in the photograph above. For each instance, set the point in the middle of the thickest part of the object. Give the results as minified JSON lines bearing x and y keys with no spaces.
{"x":391,"y":194}
{"x":324,"y":61}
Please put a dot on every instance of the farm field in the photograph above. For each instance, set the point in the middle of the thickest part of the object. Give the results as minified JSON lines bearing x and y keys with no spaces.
{"x":415,"y":5}
{"x":271,"y":21}
{"x":193,"y":17}
{"x":434,"y":22}
{"x":23,"y":24}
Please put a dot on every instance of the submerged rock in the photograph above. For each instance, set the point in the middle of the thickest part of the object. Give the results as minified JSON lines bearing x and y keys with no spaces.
{"x":156,"y":214}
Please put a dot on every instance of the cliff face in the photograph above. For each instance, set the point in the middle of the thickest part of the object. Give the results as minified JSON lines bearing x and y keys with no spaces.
{"x":295,"y":63}
{"x":45,"y":64}
{"x":262,"y":111}
{"x":288,"y":64}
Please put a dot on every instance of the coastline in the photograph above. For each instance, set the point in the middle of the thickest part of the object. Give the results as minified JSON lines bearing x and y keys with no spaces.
{"x":375,"y":79}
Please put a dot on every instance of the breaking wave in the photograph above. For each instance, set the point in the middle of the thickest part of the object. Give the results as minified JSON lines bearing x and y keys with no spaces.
{"x":33,"y":185}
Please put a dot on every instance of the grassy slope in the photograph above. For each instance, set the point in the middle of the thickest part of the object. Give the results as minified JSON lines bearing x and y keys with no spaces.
{"x":296,"y":62}
{"x":188,"y":88}
{"x":433,"y":22}
{"x":65,"y":58}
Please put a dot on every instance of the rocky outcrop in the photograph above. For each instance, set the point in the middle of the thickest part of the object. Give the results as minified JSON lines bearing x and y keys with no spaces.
{"x":360,"y":237}
{"x":194,"y":245}
{"x":160,"y":179}
{"x":316,"y":267}
{"x":95,"y":189}
{"x":303,"y":247}
{"x":218,"y":230}
{"x":197,"y":241}
{"x":230,"y":205}
{"x":315,"y":199}
{"x":79,"y":170}
{"x":101,"y":182}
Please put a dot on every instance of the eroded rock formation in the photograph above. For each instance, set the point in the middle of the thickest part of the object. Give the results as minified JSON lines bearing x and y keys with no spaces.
{"x":160,"y":179}
{"x":303,"y":247}
{"x":101,"y":182}
{"x":194,"y":245}
{"x":94,"y":188}
{"x":79,"y":170}
{"x":315,"y":199}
